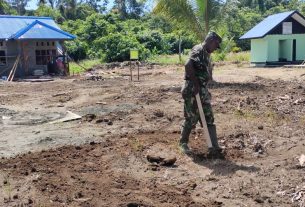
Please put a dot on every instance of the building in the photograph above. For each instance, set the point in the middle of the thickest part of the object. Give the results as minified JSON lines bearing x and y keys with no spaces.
{"x":37,"y":41}
{"x":278,"y":39}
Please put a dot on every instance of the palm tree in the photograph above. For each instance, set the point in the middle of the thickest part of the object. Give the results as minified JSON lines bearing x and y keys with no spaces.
{"x":191,"y":13}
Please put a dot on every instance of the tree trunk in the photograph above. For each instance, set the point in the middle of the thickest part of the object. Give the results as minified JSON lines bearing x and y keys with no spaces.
{"x":180,"y":43}
{"x":206,"y":17}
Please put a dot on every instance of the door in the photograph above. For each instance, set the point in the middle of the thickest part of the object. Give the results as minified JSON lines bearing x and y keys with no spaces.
{"x":294,"y":50}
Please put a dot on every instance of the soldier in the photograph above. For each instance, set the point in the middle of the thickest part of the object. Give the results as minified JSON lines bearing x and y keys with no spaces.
{"x":197,"y":75}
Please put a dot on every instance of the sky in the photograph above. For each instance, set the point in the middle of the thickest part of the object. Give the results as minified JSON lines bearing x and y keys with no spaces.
{"x":33,"y":4}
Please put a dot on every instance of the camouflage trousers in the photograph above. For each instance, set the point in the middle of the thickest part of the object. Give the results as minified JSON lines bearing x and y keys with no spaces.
{"x":191,"y":112}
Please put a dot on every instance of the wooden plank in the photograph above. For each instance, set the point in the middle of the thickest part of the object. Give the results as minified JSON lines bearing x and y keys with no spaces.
{"x":10,"y":74}
{"x":14,"y":69}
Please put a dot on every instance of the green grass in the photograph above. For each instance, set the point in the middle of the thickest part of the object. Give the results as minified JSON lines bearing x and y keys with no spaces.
{"x":167,"y":59}
{"x":174,"y":59}
{"x":238,"y":57}
{"x":75,"y":68}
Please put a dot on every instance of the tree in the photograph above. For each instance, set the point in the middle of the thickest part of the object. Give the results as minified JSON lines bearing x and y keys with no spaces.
{"x":67,"y":8}
{"x":129,"y":8}
{"x":195,"y":15}
{"x":19,"y":6}
{"x":5,"y":8}
{"x":47,"y":11}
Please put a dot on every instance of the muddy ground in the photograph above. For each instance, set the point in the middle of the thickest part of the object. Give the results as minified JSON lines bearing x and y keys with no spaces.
{"x":100,"y":160}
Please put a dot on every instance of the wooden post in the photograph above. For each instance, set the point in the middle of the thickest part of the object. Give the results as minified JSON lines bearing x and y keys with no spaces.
{"x":138,"y":70}
{"x":130,"y":70}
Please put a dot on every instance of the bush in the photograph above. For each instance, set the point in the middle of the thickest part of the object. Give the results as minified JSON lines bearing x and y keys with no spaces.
{"x":116,"y":47}
{"x":76,"y":49}
{"x":236,"y":49}
{"x":152,"y":41}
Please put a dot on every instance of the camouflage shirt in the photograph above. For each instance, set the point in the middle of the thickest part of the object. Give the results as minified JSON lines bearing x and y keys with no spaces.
{"x":202,"y":63}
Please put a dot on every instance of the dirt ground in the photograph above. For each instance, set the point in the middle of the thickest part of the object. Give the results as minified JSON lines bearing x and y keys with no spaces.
{"x":100,"y":159}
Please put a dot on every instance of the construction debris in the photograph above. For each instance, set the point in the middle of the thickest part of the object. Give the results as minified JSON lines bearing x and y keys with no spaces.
{"x":70,"y":116}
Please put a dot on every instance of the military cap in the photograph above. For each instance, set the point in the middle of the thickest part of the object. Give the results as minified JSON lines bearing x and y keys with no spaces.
{"x":213,"y":35}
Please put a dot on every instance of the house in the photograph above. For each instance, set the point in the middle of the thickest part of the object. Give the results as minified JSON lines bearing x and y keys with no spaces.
{"x":278,"y":39}
{"x":37,"y":41}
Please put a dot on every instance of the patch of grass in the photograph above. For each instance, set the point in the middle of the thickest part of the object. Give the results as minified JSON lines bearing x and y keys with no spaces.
{"x":238,"y":57}
{"x":167,"y":59}
{"x":275,"y":118}
{"x":7,"y":188}
{"x":136,"y":144}
{"x":75,"y":68}
{"x":302,"y":120}
{"x":244,"y":114}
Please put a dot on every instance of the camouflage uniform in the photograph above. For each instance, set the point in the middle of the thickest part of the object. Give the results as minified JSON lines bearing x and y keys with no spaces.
{"x":202,"y":66}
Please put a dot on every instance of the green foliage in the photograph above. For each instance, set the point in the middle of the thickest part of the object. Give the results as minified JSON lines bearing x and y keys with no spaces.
{"x":5,"y":8}
{"x":47,"y":11}
{"x":167,"y":59}
{"x":109,"y":35}
{"x":77,"y":49}
{"x":110,"y":38}
{"x":116,"y":47}
{"x":238,"y":57}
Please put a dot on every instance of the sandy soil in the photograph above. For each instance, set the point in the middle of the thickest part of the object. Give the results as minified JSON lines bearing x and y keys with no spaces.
{"x":100,"y":160}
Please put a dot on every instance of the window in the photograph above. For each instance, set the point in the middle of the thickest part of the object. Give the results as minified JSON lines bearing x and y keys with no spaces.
{"x":287,"y":27}
{"x":2,"y":57}
{"x":48,"y":44}
{"x":1,"y":44}
{"x":43,"y":57}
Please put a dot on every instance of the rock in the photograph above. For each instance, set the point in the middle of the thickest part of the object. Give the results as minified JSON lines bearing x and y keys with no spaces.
{"x":302,"y":160}
{"x":161,"y":160}
{"x":258,"y":148}
{"x":159,"y":113}
{"x":156,"y":159}
{"x":89,"y":117}
{"x":92,"y":143}
{"x":30,"y":201}
{"x":133,"y":205}
{"x":168,"y":161}
{"x":260,"y":127}
{"x":258,"y":200}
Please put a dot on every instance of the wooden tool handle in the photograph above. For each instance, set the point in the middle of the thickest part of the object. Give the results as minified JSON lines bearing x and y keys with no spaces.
{"x":203,"y":121}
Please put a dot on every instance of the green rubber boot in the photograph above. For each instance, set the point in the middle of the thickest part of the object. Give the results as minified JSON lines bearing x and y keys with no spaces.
{"x":184,"y":139}
{"x":184,"y":148}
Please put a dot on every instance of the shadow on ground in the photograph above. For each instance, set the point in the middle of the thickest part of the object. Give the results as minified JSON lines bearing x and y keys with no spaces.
{"x":222,"y":167}
{"x":238,"y":86}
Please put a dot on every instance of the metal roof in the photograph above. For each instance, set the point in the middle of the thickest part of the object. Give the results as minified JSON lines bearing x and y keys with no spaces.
{"x":265,"y":26}
{"x":13,"y":27}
